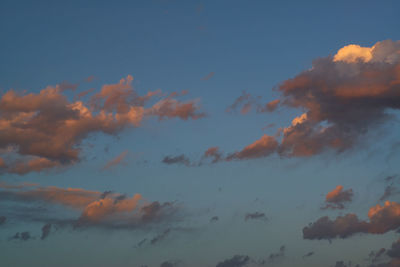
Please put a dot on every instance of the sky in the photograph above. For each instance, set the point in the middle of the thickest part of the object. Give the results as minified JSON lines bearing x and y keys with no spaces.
{"x":200,"y":133}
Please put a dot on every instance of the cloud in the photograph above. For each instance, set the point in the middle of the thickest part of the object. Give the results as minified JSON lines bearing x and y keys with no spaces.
{"x":235,"y":261}
{"x":270,"y":106}
{"x":341,"y":97}
{"x":390,"y":190}
{"x":394,"y":251}
{"x":95,"y":209}
{"x":374,"y":257}
{"x":45,"y":231}
{"x":208,"y":76}
{"x":244,"y":102}
{"x":171,"y":108}
{"x":382,"y":219}
{"x":263,"y":147}
{"x":45,"y":130}
{"x":115,"y":161}
{"x":181,"y":159}
{"x":24,"y":236}
{"x":214,"y":154}
{"x":309,"y":254}
{"x":255,"y":216}
{"x":214,"y":219}
{"x":160,"y":237}
{"x":3,"y":220}
{"x":277,"y":256}
{"x":141,"y":242}
{"x":337,"y":197}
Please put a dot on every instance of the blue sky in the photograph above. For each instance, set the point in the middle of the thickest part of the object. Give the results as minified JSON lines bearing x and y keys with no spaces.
{"x":216,"y":50}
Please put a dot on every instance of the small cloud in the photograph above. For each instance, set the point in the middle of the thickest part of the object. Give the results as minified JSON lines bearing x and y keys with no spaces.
{"x":181,"y":159}
{"x":214,"y":219}
{"x":338,"y":197}
{"x":115,"y":161}
{"x":255,"y":216}
{"x":45,"y":231}
{"x":235,"y":261}
{"x":160,"y":237}
{"x":208,"y":76}
{"x":24,"y":236}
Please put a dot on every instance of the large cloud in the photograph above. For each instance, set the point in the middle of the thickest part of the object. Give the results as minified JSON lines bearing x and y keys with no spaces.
{"x":342,"y":97}
{"x":107,"y":210}
{"x":44,"y":130}
{"x":382,"y":219}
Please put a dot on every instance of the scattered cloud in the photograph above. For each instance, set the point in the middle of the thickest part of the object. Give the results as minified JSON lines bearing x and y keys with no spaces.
{"x":309,"y":254}
{"x":255,"y":216}
{"x":214,"y":219}
{"x":115,"y":161}
{"x":45,"y":231}
{"x":181,"y":159}
{"x":208,"y":76}
{"x":337,"y":94}
{"x":235,"y":261}
{"x":338,"y":197}
{"x":273,"y":257}
{"x":381,"y":220}
{"x":160,"y":237}
{"x":45,"y":130}
{"x":96,"y":209}
{"x":24,"y":236}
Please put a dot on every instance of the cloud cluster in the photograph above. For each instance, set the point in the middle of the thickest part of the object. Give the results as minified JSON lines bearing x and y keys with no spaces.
{"x":342,"y":97}
{"x":381,"y":220}
{"x":107,"y":209}
{"x":44,"y":130}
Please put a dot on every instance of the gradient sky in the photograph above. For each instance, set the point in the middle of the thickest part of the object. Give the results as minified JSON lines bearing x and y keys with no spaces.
{"x":121,"y":143}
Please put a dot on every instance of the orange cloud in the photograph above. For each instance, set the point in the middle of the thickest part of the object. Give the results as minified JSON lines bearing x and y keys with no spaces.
{"x":263,"y":147}
{"x":103,"y":208}
{"x":382,"y":219}
{"x":337,"y":197}
{"x":46,"y":129}
{"x":107,"y":209}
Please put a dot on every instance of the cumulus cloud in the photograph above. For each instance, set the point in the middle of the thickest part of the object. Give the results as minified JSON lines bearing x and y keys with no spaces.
{"x":381,"y":220}
{"x":107,"y":209}
{"x":338,"y":197}
{"x":44,"y":130}
{"x":342,"y":97}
